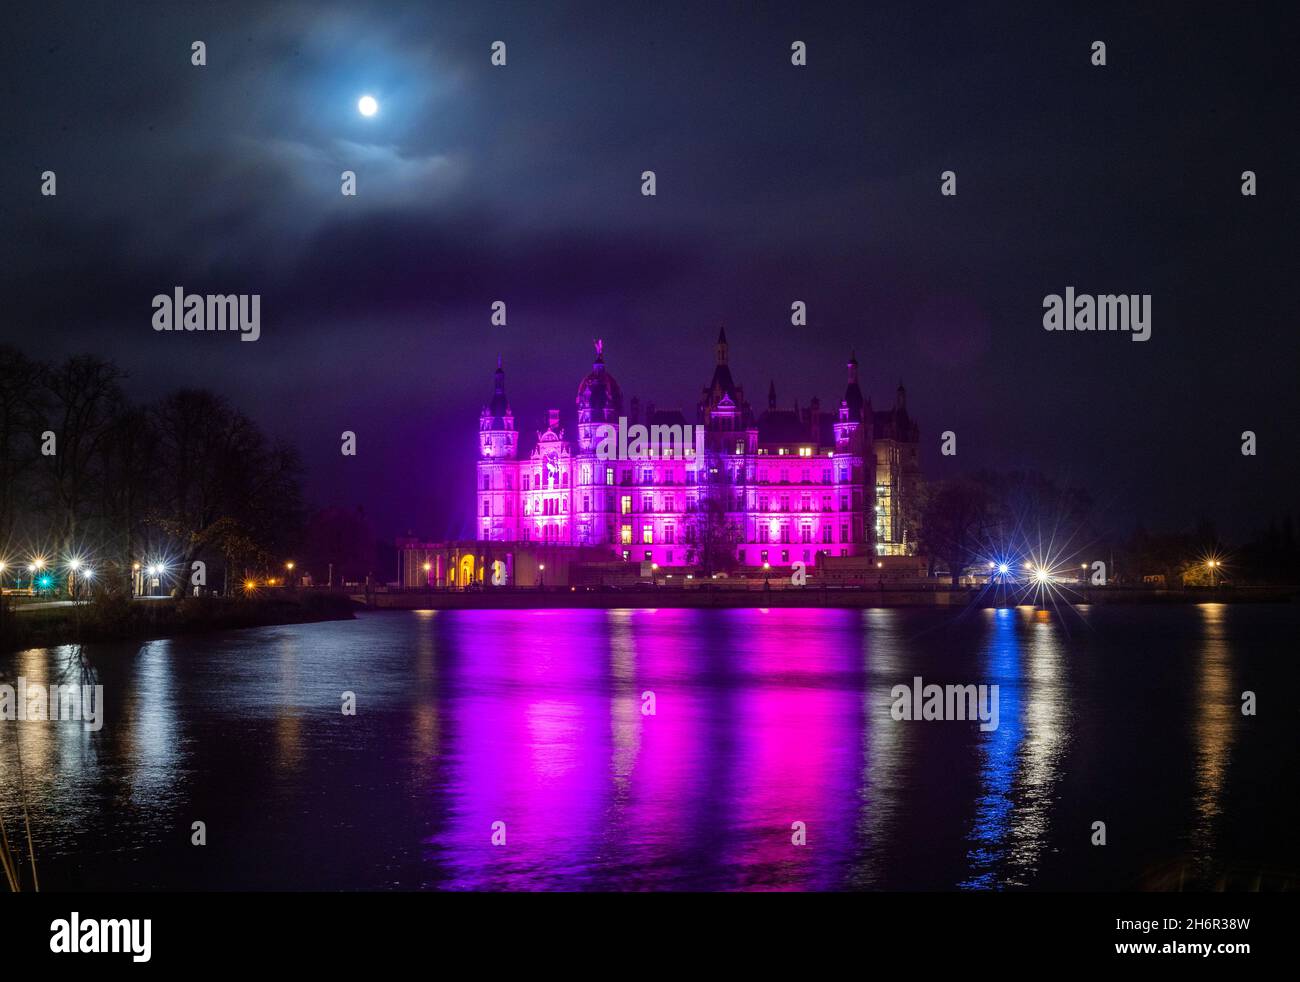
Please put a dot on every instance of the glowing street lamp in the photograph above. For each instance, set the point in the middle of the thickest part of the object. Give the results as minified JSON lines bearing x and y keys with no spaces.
{"x":74,"y":564}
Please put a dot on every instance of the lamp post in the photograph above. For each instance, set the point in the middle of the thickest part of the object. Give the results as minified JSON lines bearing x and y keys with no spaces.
{"x":541,"y":575}
{"x":288,"y":579}
{"x":1212,"y":564}
{"x":73,"y":566}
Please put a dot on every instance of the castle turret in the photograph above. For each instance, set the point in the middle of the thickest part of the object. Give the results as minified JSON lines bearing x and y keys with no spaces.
{"x":497,"y":465}
{"x":599,"y":401}
{"x":497,"y":436}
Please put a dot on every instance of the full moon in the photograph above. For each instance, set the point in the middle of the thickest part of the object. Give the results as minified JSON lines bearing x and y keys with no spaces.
{"x":367,"y":105}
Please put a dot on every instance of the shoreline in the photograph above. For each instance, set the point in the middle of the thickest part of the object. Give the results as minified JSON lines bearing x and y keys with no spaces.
{"x":808,"y":597}
{"x":151,"y":620}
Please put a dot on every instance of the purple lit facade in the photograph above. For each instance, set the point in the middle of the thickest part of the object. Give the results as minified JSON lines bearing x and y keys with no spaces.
{"x":783,"y":486}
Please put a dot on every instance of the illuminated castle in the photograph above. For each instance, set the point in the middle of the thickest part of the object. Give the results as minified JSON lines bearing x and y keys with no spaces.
{"x":783,"y":486}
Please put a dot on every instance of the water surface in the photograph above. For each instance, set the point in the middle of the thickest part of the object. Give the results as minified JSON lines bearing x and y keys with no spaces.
{"x":1129,"y":716}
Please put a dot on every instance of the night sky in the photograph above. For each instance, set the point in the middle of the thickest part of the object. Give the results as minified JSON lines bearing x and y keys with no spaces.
{"x":775,"y":183}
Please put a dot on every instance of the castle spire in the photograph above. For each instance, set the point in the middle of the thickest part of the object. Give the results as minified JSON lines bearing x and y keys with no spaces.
{"x":771,"y":394}
{"x":721,"y":348}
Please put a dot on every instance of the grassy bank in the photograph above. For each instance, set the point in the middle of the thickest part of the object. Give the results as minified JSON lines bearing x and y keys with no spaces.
{"x":120,"y":619}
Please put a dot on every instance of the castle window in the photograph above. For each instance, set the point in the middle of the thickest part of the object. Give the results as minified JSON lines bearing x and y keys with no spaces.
{"x":527,"y":482}
{"x":487,"y":482}
{"x":668,"y":534}
{"x":625,"y":504}
{"x":625,"y":537}
{"x":826,"y":533}
{"x":487,"y":508}
{"x":647,"y":534}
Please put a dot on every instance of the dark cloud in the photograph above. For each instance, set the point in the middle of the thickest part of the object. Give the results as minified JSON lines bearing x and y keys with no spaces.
{"x":775,"y":184}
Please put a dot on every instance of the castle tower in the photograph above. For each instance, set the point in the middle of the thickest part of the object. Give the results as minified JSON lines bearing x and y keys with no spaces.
{"x":848,"y":423}
{"x":599,"y":405}
{"x":498,"y":468}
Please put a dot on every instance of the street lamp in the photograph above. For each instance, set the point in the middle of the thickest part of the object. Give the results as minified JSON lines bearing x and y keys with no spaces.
{"x":1212,"y":564}
{"x":74,"y":564}
{"x":541,"y":569}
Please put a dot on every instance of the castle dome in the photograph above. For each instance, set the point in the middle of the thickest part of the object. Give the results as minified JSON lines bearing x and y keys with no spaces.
{"x":599,"y":391}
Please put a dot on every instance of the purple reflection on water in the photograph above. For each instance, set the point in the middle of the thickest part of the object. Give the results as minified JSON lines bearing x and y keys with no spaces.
{"x":550,"y":737}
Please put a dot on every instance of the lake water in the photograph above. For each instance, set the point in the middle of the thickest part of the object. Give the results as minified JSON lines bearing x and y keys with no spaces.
{"x":1129,"y":716}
